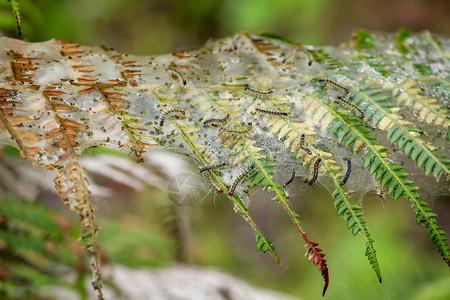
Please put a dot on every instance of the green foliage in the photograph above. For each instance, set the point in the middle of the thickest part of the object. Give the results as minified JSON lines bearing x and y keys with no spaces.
{"x":35,"y":241}
{"x":14,"y":6}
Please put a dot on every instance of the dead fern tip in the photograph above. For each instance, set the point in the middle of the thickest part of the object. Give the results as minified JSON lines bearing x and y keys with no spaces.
{"x":314,"y":254}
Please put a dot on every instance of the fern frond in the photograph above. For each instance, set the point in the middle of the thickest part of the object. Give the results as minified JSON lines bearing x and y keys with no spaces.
{"x":399,"y":131}
{"x":364,"y":44}
{"x":14,"y":6}
{"x":263,"y":177}
{"x":390,"y":175}
{"x":353,"y":214}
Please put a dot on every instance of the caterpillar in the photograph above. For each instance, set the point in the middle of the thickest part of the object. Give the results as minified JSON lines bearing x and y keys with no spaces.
{"x":163,"y":117}
{"x":381,"y":193}
{"x":302,"y":145}
{"x":239,"y":179}
{"x":316,"y":172}
{"x":308,"y":54}
{"x":271,"y":112}
{"x":334,"y":84}
{"x":347,"y":174}
{"x":257,"y":93}
{"x":290,"y":179}
{"x":223,"y":120}
{"x":179,"y":73}
{"x":212,"y":167}
{"x":351,"y":105}
{"x":218,"y":189}
{"x":237,"y":130}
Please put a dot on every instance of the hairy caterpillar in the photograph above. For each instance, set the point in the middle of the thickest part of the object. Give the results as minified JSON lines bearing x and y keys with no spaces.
{"x":351,"y":105}
{"x":271,"y":112}
{"x":302,"y":145}
{"x":257,"y":93}
{"x":347,"y":174}
{"x":223,"y":120}
{"x":308,"y":54}
{"x":316,"y":172}
{"x":218,"y":189}
{"x":163,"y":117}
{"x":212,"y":167}
{"x":290,"y":179}
{"x":237,"y":130}
{"x":239,"y":179}
{"x":381,"y":193}
{"x":179,"y":73}
{"x":334,"y":84}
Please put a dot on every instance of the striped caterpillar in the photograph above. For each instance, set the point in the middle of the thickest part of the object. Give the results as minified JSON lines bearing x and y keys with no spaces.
{"x":302,"y":145}
{"x":239,"y":179}
{"x":352,"y":106}
{"x":259,"y":94}
{"x":290,"y":179}
{"x":271,"y":112}
{"x":223,"y":120}
{"x":218,"y":189}
{"x":163,"y":117}
{"x":237,"y":130}
{"x":316,"y":172}
{"x":212,"y":167}
{"x":306,"y":53}
{"x":347,"y":174}
{"x":180,"y":74}
{"x":334,"y":84}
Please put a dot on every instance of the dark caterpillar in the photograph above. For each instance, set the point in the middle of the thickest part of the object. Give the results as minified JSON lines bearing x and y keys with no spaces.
{"x":179,"y":73}
{"x":334,"y":84}
{"x":352,"y":106}
{"x":223,"y":120}
{"x":309,"y":56}
{"x":212,"y":167}
{"x":271,"y":112}
{"x":302,"y":145}
{"x":347,"y":174}
{"x":257,"y":93}
{"x":316,"y":172}
{"x":239,"y":179}
{"x":163,"y":117}
{"x":290,"y":179}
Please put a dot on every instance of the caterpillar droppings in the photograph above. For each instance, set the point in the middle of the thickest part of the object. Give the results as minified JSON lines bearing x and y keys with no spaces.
{"x":259,"y":94}
{"x":302,"y":145}
{"x":239,"y":179}
{"x":316,"y":172}
{"x":347,"y":174}
{"x":212,"y":167}
{"x":180,"y":74}
{"x":352,"y":106}
{"x":163,"y":117}
{"x":331,"y":83}
{"x":223,"y":120}
{"x":271,"y":112}
{"x":290,"y":179}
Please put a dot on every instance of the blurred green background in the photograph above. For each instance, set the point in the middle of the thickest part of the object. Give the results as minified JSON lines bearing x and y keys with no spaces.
{"x":411,"y":267}
{"x":161,"y":26}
